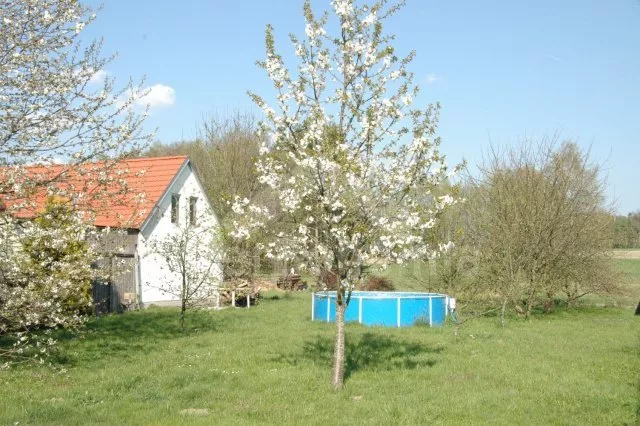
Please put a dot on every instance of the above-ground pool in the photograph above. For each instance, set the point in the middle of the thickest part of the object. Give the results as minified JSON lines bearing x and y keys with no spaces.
{"x":385,"y":308}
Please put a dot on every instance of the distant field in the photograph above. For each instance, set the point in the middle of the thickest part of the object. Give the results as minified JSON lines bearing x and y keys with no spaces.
{"x":626,"y":254}
{"x":630,"y":281}
{"x":419,"y":277}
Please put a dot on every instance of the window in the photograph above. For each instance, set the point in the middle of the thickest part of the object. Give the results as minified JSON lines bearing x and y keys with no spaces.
{"x":193,"y":202}
{"x":175,"y":208}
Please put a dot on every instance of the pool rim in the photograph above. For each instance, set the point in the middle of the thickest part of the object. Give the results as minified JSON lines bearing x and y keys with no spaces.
{"x":380,"y":294}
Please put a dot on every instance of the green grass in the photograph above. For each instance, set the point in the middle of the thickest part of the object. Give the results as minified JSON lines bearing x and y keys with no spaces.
{"x":630,"y":269}
{"x":270,"y":364}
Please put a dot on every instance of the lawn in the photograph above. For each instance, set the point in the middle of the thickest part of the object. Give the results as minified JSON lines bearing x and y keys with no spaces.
{"x":271,"y":364}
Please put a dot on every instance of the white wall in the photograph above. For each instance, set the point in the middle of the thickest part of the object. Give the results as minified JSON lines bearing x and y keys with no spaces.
{"x":153,"y":270}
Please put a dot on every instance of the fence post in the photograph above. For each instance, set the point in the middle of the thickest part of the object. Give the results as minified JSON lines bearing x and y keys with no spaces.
{"x":248,"y":301}
{"x":233,"y":298}
{"x":313,"y":306}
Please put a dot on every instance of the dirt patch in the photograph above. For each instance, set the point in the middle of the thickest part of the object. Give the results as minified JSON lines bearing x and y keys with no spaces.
{"x":265,"y":284}
{"x":626,"y":254}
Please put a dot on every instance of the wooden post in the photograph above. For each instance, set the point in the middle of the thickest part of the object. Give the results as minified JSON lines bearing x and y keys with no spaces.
{"x":233,"y":298}
{"x":248,"y":301}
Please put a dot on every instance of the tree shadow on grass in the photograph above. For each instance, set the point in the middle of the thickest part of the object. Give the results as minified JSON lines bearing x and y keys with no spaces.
{"x":130,"y":334}
{"x":368,"y":352}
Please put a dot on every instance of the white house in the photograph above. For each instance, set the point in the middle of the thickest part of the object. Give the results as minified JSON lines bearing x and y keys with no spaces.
{"x":150,"y":198}
{"x":182,"y":203}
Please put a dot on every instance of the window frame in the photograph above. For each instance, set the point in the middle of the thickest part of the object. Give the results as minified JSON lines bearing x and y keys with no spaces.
{"x":175,"y":208}
{"x":193,"y":211}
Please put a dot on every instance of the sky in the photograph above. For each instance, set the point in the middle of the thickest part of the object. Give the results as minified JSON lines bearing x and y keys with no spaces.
{"x":501,"y":70}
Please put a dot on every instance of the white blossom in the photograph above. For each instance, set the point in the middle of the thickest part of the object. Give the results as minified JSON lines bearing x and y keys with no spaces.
{"x":355,"y":177}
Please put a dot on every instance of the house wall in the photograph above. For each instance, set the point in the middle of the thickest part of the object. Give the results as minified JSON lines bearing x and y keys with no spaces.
{"x":153,"y":270}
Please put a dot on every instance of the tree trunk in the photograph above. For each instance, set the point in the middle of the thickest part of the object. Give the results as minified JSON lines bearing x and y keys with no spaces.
{"x":182,"y":310}
{"x":338,"y":351}
{"x":183,"y":300}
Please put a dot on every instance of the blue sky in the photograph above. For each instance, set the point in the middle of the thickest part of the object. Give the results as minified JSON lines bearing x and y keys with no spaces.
{"x":501,"y":70}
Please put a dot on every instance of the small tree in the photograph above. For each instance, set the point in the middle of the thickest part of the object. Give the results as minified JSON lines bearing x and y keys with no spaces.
{"x":541,"y":226}
{"x":191,"y":258}
{"x":351,"y":165}
{"x":55,"y":106}
{"x":224,"y":155}
{"x":45,"y":278}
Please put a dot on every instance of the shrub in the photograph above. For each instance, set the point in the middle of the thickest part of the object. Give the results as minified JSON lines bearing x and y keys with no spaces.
{"x":377,"y":283}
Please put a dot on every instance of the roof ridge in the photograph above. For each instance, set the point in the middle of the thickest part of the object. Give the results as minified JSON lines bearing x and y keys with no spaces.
{"x":167,"y":157}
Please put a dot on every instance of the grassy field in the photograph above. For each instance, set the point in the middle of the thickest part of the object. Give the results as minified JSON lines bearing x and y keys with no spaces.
{"x":271,"y":364}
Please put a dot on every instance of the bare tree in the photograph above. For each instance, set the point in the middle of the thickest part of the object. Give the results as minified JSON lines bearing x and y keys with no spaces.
{"x":191,"y":257}
{"x":224,"y":154}
{"x":541,"y":226}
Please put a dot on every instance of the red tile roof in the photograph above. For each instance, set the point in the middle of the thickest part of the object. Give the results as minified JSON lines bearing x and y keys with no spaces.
{"x":120,"y":194}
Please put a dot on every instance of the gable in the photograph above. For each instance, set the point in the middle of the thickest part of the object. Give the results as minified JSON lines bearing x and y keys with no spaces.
{"x":185,"y":185}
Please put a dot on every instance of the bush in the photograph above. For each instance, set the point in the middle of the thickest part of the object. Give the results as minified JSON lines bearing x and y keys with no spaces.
{"x":377,"y":283}
{"x":327,"y":280}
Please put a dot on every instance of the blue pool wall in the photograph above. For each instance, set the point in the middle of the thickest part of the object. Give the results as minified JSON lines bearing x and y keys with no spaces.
{"x":388,"y":309}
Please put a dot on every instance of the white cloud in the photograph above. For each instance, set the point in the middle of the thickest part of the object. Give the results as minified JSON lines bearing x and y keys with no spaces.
{"x":157,"y":95}
{"x":554,"y":57}
{"x":432,"y":78}
{"x":98,"y":77}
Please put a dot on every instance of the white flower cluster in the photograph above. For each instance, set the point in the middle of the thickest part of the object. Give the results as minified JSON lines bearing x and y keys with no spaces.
{"x":54,"y":111}
{"x":45,"y":278}
{"x":354,"y":176}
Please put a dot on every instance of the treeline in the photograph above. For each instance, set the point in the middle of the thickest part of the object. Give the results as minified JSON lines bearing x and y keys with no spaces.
{"x":626,"y":231}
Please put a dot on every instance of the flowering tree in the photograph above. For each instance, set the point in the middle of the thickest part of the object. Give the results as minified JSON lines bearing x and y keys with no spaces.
{"x":45,"y":278}
{"x":351,"y":163}
{"x":56,"y":106}
{"x":192,"y":263}
{"x":56,"y":102}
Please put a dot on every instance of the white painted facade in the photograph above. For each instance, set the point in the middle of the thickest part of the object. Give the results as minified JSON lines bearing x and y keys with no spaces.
{"x":152,"y":272}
